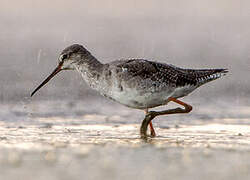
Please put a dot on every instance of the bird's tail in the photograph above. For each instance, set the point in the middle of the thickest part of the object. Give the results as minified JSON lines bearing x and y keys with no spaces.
{"x":206,"y":75}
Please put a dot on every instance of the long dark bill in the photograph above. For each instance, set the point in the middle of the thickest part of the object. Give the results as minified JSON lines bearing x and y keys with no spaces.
{"x":57,"y":70}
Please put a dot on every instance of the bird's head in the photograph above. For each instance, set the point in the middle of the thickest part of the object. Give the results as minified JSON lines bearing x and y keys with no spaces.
{"x":71,"y":55}
{"x":68,"y":57}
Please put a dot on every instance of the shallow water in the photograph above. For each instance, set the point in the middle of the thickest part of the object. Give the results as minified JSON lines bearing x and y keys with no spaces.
{"x":91,"y":139}
{"x":67,"y":131}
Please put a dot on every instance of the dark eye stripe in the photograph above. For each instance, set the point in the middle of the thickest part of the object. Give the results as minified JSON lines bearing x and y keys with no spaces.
{"x":64,"y":56}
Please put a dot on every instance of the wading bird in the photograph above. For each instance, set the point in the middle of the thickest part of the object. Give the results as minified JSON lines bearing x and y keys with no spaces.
{"x":136,"y":83}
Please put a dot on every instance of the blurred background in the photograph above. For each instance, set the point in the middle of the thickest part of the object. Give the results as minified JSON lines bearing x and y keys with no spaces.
{"x":68,"y":131}
{"x":192,"y":34}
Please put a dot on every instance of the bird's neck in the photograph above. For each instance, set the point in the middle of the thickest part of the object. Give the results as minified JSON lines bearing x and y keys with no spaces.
{"x":90,"y":69}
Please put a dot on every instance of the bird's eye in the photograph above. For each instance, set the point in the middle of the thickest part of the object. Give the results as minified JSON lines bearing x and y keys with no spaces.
{"x":64,"y":56}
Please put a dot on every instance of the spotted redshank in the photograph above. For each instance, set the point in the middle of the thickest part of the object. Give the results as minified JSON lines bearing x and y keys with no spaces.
{"x":136,"y":83}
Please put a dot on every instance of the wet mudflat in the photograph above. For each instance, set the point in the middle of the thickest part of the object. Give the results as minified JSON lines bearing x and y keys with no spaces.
{"x":61,"y":134}
{"x":42,"y":140}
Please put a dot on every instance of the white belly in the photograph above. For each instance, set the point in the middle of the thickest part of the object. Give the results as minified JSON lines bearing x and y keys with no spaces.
{"x":134,"y":99}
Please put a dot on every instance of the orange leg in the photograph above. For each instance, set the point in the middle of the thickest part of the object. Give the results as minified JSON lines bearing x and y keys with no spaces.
{"x":152,"y":114}
{"x":152,"y":131}
{"x":187,"y":107}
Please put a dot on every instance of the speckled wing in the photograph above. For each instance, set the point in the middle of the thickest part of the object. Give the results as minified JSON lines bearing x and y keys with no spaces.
{"x":198,"y":77}
{"x":146,"y":75}
{"x":156,"y":76}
